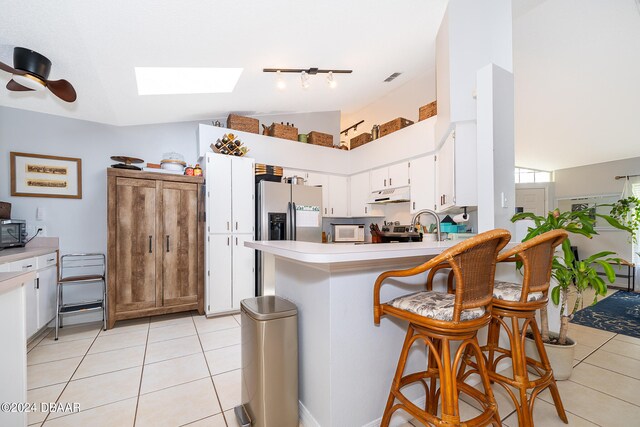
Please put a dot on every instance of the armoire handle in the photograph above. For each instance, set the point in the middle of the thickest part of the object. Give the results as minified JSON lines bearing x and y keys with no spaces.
{"x":167,"y":243}
{"x":150,"y":244}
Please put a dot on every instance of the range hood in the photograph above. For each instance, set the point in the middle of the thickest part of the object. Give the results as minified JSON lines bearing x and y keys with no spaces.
{"x":392,"y":195}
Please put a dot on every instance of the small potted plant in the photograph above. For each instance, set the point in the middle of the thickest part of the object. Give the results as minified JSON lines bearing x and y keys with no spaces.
{"x":571,"y":277}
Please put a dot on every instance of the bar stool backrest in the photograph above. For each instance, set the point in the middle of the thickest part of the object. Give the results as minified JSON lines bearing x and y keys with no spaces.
{"x":536,"y":256}
{"x":474,"y":265}
{"x":78,"y":265}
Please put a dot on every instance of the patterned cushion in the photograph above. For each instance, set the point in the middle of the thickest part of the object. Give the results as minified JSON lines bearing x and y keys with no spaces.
{"x":434,"y":305}
{"x":512,"y":291}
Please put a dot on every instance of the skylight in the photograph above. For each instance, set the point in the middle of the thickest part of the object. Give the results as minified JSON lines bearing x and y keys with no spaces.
{"x":185,"y":80}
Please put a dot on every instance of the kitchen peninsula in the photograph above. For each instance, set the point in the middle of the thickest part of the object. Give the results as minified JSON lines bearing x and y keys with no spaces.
{"x":346,"y":362}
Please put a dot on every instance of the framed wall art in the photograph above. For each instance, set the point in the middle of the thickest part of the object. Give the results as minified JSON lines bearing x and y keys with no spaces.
{"x":38,"y":175}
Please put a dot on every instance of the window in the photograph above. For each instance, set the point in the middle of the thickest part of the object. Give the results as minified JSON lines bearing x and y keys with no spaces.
{"x":529,"y":176}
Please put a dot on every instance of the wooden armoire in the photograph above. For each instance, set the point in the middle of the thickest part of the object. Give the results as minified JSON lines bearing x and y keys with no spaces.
{"x":155,"y":248}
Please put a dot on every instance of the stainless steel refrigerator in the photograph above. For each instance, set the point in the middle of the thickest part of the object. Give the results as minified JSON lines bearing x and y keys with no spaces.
{"x":284,"y":212}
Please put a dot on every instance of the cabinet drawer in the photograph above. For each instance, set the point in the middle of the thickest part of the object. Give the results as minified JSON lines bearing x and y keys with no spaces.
{"x":47,"y":260}
{"x":28,"y":264}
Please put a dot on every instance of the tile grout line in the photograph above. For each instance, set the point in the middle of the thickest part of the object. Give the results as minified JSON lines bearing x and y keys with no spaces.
{"x":215,"y":390}
{"x":69,"y":380}
{"x":135,"y":414}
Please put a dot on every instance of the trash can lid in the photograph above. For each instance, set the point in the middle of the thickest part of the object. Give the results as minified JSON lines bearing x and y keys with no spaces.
{"x":268,"y":307}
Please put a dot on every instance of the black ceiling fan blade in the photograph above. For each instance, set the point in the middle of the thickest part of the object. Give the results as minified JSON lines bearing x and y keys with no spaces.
{"x":62,"y":89}
{"x":17,"y":87}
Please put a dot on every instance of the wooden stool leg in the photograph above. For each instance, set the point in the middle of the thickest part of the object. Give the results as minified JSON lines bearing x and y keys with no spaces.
{"x":544,"y":359}
{"x":431,"y":403}
{"x":448,"y":387}
{"x":493,"y":337}
{"x":520,"y":373}
{"x":486,"y":383}
{"x":395,"y":384}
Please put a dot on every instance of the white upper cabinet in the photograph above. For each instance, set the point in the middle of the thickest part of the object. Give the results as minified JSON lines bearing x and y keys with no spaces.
{"x":456,"y":177}
{"x":445,"y":175}
{"x":390,"y":177}
{"x":243,"y":187}
{"x":338,"y":196}
{"x":359,"y":190}
{"x":422,"y":175}
{"x":230,"y":194}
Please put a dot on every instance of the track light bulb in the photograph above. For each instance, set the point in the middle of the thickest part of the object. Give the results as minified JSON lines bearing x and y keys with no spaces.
{"x":331,"y":81}
{"x":304,"y":80}
{"x":280,"y":83}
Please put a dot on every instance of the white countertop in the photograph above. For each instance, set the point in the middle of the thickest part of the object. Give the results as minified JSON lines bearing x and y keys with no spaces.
{"x":16,"y":254}
{"x":329,"y":253}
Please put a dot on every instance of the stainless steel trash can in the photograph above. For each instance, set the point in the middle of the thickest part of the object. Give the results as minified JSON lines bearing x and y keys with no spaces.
{"x":269,"y":361}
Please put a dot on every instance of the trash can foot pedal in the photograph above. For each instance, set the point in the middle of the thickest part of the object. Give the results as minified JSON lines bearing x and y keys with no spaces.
{"x":242,"y":416}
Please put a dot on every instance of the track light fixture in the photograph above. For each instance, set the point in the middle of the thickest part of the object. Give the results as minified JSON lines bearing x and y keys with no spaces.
{"x":305,"y":75}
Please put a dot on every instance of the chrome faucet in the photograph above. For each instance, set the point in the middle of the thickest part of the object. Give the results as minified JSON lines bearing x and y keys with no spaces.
{"x":432,"y":213}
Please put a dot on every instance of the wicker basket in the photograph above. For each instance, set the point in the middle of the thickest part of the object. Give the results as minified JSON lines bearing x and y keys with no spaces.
{"x":394,"y":125}
{"x":319,"y":138}
{"x":428,"y":110}
{"x":359,"y":140}
{"x":244,"y":124}
{"x":5,"y":210}
{"x":283,"y":131}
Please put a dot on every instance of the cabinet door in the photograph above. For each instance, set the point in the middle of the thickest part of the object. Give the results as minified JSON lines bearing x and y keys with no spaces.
{"x":243,"y":186}
{"x":359,"y":190}
{"x":218,"y":193}
{"x":321,"y":180}
{"x":31,"y":307}
{"x":379,"y":179}
{"x":219,"y":274}
{"x":47,"y":280}
{"x":445,"y":172}
{"x":136,"y":244}
{"x":423,"y":186}
{"x":180,"y":244}
{"x":244,"y":285}
{"x":399,"y":175}
{"x":338,"y":196}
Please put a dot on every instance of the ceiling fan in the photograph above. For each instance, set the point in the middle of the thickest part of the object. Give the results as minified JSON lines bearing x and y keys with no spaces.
{"x":30,"y":72}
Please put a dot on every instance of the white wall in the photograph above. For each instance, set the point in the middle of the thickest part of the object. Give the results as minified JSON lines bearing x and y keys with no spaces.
{"x":403,"y":101}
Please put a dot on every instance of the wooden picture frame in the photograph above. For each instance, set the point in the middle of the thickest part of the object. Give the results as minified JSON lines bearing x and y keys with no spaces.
{"x":39,"y":175}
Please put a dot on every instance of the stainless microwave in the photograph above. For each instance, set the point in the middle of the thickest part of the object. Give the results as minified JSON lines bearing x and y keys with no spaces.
{"x":13,"y":233}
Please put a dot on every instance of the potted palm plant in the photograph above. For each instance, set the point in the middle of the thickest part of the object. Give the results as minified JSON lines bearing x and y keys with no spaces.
{"x":572,"y":277}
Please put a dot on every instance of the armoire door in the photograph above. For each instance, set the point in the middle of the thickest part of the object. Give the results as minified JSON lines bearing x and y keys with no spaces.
{"x":180,"y":243}
{"x":136,"y":244}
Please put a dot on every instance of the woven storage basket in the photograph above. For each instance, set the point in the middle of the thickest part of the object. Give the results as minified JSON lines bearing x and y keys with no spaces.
{"x":394,"y":125}
{"x":283,"y":131}
{"x":359,"y":140}
{"x":5,"y":210}
{"x":428,"y":110}
{"x":244,"y":124}
{"x":319,"y":138}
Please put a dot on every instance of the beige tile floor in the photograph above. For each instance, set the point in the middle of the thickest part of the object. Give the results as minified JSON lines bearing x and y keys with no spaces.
{"x":184,"y":370}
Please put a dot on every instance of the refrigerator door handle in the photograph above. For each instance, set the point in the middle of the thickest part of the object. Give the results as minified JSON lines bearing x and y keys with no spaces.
{"x":288,"y":231}
{"x":294,"y":223}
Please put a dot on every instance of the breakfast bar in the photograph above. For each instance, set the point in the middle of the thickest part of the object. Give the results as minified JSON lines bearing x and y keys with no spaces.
{"x":346,"y":362}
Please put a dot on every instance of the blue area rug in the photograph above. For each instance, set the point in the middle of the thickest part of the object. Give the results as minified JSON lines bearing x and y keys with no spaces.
{"x":619,"y":313}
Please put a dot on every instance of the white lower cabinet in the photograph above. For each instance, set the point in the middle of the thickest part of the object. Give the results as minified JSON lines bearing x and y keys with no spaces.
{"x":230,"y":276}
{"x":47,"y":282}
{"x":40,"y":293}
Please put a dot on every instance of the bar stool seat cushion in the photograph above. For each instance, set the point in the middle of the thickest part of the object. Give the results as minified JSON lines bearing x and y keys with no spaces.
{"x":508,"y":291}
{"x":434,"y":305}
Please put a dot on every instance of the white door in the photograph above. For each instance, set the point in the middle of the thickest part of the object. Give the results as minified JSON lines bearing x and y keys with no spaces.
{"x":320,"y":180}
{"x":445,"y":172}
{"x":219,"y":274}
{"x":31,"y":306}
{"x":243,"y":187}
{"x":218,"y":193}
{"x":399,"y":175}
{"x":47,"y":279}
{"x":379,"y":179}
{"x":531,"y":200}
{"x":423,"y":186}
{"x":338,"y":196}
{"x":243,"y":270}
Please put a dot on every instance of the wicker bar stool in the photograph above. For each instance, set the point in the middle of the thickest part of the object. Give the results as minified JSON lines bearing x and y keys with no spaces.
{"x":439,"y":319}
{"x":517,"y":304}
